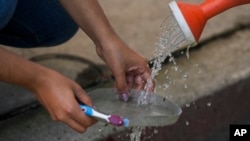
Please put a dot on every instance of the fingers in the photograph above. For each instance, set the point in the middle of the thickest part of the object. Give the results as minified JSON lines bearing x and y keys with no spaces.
{"x":136,"y":78}
{"x":79,"y":115}
{"x":139,"y":82}
{"x":70,"y":112}
{"x":122,"y":86}
{"x":130,"y":81}
{"x":144,"y":82}
{"x":77,"y":120}
{"x":82,"y":120}
{"x":75,"y":125}
{"x":82,"y":96}
{"x":141,"y":78}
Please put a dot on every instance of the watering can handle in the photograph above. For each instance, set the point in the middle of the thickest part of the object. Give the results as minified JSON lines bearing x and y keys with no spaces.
{"x":214,"y":7}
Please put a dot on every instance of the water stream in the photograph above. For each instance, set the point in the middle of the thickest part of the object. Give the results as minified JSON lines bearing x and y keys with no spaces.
{"x":171,"y":39}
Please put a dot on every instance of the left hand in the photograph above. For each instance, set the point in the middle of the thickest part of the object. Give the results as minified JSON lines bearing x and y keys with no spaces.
{"x":130,"y":69}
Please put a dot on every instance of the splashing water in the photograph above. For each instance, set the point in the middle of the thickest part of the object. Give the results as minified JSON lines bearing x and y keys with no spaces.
{"x":136,"y":134}
{"x":171,"y":39}
{"x":209,"y":104}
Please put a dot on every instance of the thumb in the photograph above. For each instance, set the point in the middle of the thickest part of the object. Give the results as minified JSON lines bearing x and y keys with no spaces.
{"x":122,"y":87}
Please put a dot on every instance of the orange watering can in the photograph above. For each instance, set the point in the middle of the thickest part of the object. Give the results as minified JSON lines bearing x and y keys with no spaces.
{"x":193,"y":17}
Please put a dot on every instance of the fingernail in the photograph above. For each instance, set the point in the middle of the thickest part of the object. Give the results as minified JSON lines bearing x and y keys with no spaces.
{"x":123,"y":97}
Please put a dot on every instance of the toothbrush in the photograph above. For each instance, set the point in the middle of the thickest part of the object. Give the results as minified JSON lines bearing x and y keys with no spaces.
{"x":111,"y":119}
{"x":192,"y":18}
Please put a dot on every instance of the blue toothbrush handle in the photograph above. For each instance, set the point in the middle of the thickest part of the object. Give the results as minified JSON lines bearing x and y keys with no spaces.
{"x":112,"y":119}
{"x":93,"y":113}
{"x":87,"y":110}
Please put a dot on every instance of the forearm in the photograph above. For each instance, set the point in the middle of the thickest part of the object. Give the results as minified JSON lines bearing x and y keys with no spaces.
{"x":89,"y":15}
{"x":125,"y":63}
{"x":17,"y":70}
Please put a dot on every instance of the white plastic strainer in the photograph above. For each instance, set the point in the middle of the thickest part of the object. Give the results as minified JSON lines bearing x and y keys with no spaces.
{"x":158,"y":111}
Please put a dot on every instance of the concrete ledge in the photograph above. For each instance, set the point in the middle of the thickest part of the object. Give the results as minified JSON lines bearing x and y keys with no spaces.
{"x":14,"y":99}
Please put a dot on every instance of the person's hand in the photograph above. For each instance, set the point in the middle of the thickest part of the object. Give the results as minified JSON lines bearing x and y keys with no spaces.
{"x":59,"y":96}
{"x":131,"y":70}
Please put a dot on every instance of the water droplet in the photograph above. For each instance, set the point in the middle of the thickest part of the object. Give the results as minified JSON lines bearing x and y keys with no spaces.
{"x":185,"y":76}
{"x":185,"y":86}
{"x":166,"y":71}
{"x":199,"y":70}
{"x":166,"y":85}
{"x":155,"y":131}
{"x":171,"y":59}
{"x":187,"y":123}
{"x":188,"y":105}
{"x":175,"y":68}
{"x":209,"y":104}
{"x":136,"y":133}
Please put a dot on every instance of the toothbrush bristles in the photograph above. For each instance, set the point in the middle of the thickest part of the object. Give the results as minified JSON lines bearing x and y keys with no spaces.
{"x":116,"y":120}
{"x":125,"y":122}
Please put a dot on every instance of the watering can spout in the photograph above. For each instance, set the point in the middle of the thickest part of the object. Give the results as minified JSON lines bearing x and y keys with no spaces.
{"x":196,"y":15}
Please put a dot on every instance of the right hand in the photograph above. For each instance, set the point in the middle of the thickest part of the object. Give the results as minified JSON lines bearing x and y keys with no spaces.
{"x":59,"y":96}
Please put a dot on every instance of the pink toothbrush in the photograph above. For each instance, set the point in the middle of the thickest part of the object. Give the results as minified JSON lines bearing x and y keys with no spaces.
{"x":111,"y":119}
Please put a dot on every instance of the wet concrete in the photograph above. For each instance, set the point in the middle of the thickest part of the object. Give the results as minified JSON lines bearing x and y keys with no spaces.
{"x":206,"y":119}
